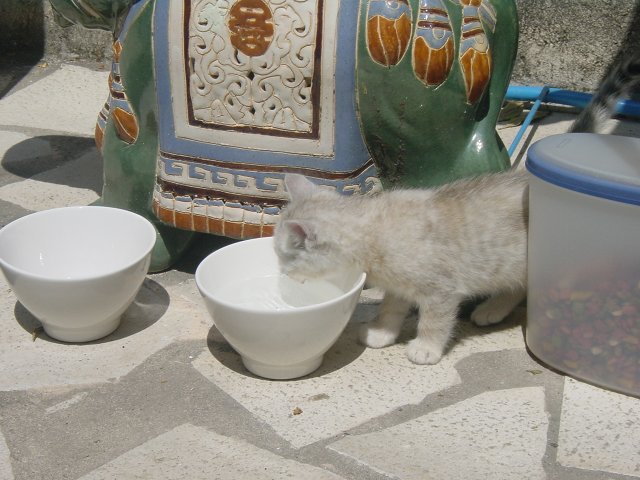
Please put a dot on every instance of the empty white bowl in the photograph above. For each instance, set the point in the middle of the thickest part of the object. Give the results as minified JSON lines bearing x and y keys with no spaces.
{"x":281,"y":328}
{"x":77,"y":269}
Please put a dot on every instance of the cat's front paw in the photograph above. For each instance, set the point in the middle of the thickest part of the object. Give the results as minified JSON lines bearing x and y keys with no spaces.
{"x":376,"y":337}
{"x":424,"y":352}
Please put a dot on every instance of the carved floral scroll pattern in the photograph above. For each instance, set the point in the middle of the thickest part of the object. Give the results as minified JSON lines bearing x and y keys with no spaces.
{"x":252,"y":65}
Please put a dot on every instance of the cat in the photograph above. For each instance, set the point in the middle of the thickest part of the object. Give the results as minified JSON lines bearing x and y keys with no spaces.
{"x":469,"y":239}
{"x":620,"y":81}
{"x":431,"y":248}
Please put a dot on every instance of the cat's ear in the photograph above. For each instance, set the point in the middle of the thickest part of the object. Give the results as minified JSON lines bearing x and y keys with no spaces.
{"x":300,"y":233}
{"x":298,"y":186}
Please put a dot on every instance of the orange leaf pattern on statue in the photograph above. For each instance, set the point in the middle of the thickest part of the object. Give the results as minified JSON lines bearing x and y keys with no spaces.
{"x":433,"y":47}
{"x":388,"y":30}
{"x":117,"y":106}
{"x":475,"y":50}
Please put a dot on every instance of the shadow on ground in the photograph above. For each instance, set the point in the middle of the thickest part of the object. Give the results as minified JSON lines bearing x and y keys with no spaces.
{"x":150,"y":304}
{"x":40,"y":154}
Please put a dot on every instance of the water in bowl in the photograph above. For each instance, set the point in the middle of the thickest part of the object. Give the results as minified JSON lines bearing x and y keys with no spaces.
{"x":279,"y":292}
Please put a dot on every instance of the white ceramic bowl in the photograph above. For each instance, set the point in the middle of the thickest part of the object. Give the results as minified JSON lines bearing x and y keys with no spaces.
{"x":281,"y":328}
{"x":77,"y":269}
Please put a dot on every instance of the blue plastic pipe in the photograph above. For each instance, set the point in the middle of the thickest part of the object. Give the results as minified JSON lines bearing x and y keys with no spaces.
{"x":567,"y":97}
{"x":542,"y":96}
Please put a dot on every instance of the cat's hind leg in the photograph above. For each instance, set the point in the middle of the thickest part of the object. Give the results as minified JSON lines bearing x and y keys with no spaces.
{"x":497,"y":307}
{"x":385,"y":329}
{"x":436,"y":320}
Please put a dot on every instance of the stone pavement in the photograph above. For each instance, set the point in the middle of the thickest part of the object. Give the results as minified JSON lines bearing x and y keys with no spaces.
{"x":164,"y":398}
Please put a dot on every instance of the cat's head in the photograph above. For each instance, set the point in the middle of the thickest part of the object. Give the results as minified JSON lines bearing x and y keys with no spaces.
{"x":307,"y":239}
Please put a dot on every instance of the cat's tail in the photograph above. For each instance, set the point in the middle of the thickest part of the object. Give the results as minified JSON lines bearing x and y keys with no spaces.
{"x":618,"y":83}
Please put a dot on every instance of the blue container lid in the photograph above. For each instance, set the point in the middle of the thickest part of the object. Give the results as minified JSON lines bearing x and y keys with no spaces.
{"x":605,"y":166}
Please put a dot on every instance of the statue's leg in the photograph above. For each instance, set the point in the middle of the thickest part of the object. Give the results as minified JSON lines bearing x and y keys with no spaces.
{"x":128,"y":137}
{"x":129,"y":178}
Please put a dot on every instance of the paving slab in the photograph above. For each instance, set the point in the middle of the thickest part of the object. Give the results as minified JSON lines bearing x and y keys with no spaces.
{"x":165,"y":397}
{"x":599,"y":430}
{"x":5,"y":459}
{"x":196,"y":453}
{"x":157,"y":318}
{"x":17,"y":148}
{"x":350,"y":372}
{"x":64,"y":101}
{"x":76,"y":183}
{"x":500,"y":435}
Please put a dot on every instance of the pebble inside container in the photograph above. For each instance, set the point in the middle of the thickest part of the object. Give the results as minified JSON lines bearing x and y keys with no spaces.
{"x":583,"y":306}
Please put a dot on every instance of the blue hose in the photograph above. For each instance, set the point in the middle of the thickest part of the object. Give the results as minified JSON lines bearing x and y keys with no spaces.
{"x":558,"y":96}
{"x":567,"y":97}
{"x":542,"y":97}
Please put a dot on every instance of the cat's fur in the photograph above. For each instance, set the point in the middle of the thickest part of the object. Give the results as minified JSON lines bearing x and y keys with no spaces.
{"x":621,"y":80}
{"x":429,"y":248}
{"x":426,"y":247}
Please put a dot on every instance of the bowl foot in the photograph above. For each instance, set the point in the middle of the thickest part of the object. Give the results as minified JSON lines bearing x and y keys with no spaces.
{"x":82,"y":334}
{"x":282,"y":372}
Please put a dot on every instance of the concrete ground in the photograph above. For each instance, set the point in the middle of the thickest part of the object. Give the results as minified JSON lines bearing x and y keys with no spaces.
{"x":164,"y":398}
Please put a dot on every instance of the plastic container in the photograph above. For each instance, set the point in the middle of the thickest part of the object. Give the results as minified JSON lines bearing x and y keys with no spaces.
{"x":583,"y":303}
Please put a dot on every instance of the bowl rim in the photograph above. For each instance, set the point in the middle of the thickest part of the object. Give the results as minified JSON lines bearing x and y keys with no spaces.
{"x":37,"y":276}
{"x":358,"y":284}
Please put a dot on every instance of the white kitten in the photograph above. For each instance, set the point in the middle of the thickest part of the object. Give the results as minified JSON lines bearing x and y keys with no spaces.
{"x":429,"y":248}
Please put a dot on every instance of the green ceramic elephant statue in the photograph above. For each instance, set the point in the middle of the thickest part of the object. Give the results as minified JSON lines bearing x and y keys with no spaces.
{"x":211,"y":102}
